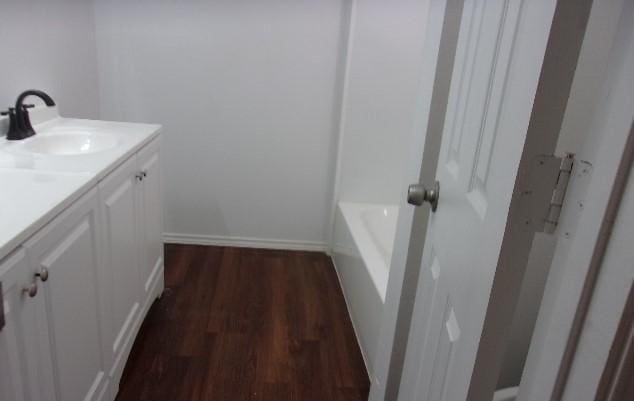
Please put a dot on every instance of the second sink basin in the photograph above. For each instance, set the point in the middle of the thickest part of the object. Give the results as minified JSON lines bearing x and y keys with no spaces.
{"x":69,"y":142}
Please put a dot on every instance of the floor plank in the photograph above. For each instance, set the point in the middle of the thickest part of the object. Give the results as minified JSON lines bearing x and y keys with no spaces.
{"x":246,"y":324}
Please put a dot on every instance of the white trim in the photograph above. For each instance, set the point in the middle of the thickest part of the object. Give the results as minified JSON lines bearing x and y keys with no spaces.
{"x":351,"y":24}
{"x":244,"y":242}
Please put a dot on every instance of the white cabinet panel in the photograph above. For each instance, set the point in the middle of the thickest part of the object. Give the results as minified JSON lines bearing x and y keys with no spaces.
{"x":117,"y":197}
{"x":150,"y":216}
{"x":20,"y":356}
{"x":67,"y":248}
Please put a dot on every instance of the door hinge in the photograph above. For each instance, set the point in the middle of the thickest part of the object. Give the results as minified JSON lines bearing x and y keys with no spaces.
{"x":545,"y":190}
{"x":2,"y":321}
{"x":559,"y":193}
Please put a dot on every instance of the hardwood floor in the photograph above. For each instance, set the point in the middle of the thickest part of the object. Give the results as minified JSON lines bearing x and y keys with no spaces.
{"x":244,"y":324}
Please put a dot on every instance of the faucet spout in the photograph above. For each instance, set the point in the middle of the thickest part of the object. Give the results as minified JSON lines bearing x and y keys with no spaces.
{"x":34,"y":92}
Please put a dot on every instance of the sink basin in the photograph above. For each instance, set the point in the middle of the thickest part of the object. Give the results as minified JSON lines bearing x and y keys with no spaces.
{"x":65,"y":143}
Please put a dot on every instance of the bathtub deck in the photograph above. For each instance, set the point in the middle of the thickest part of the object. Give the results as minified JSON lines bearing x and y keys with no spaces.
{"x":242,"y":324}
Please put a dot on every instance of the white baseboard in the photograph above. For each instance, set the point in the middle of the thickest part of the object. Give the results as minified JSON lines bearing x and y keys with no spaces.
{"x":244,"y":242}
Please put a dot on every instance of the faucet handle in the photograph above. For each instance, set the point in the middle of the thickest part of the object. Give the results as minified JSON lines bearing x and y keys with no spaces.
{"x":7,"y":112}
{"x":28,"y":106}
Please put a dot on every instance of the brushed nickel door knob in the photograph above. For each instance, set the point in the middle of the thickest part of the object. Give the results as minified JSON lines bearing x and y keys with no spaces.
{"x":417,"y":194}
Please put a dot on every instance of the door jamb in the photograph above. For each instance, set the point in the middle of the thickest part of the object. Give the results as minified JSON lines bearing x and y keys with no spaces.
{"x":583,"y":237}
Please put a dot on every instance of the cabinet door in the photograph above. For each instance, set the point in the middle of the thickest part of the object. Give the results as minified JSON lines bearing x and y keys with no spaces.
{"x":19,"y":351}
{"x":67,"y":248}
{"x":151,"y":218}
{"x":117,"y":196}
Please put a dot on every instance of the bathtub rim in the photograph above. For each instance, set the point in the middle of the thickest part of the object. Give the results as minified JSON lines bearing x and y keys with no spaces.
{"x":378,"y":268}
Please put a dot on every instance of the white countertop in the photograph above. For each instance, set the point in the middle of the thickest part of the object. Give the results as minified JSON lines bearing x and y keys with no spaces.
{"x":34,"y":188}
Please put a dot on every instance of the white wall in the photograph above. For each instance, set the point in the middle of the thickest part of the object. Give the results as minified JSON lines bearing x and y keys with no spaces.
{"x":247,"y":93}
{"x":49,"y":45}
{"x":384,"y":65}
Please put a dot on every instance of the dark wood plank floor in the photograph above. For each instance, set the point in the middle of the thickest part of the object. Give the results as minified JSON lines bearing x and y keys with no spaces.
{"x":243,"y":324}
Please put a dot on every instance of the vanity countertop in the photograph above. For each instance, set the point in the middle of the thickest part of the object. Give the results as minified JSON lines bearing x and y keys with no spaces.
{"x":36,"y":187}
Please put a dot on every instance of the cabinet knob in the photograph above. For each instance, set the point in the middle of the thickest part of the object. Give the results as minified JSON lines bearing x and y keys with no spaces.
{"x":43,"y":274}
{"x":31,"y":289}
{"x":139,"y":176}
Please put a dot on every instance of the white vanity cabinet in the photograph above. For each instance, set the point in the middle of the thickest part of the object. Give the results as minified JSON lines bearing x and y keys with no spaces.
{"x":97,"y":267}
{"x":20,"y":356}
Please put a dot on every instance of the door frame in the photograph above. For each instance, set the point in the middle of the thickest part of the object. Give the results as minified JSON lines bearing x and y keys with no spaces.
{"x":616,"y":379}
{"x":602,"y":103}
{"x":574,"y":337}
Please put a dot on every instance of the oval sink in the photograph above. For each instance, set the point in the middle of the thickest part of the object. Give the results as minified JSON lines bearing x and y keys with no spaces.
{"x":70,"y":143}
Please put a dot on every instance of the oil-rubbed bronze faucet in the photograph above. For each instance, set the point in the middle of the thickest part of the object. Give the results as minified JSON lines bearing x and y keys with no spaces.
{"x":19,"y":121}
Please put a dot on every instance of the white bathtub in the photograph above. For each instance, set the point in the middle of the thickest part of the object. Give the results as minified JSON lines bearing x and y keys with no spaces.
{"x":362,"y":250}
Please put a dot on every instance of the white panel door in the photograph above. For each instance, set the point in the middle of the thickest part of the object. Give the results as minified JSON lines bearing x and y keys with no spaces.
{"x":498,"y":58}
{"x":67,"y":247}
{"x":20,"y":356}
{"x":117,"y":196}
{"x":150,"y":216}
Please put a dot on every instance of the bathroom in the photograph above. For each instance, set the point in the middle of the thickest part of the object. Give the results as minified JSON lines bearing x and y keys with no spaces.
{"x":267,"y":158}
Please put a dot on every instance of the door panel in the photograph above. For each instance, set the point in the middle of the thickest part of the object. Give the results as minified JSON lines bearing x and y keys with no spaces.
{"x":151,"y":215}
{"x":485,"y":127}
{"x":67,"y":248}
{"x":118,"y":205}
{"x":444,"y":350}
{"x":19,"y":353}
